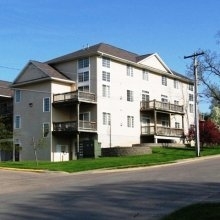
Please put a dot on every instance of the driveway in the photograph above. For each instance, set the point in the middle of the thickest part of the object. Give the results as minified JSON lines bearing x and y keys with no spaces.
{"x":141,"y":193}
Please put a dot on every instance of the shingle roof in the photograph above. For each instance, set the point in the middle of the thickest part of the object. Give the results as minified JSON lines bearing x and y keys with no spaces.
{"x":182,"y":76}
{"x":5,"y":89}
{"x":93,"y":50}
{"x":48,"y":70}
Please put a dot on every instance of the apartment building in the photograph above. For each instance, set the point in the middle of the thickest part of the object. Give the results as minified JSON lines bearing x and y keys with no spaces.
{"x":98,"y":97}
{"x":6,"y":117}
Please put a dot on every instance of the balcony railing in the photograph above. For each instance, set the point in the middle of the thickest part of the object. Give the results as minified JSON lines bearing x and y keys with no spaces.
{"x":74,"y":96}
{"x":157,"y":105}
{"x":163,"y":131}
{"x":71,"y":126}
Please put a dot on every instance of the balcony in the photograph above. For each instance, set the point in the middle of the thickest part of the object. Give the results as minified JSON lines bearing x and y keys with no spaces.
{"x":162,"y":106}
{"x":163,"y":131}
{"x":75,"y":96}
{"x":71,"y":126}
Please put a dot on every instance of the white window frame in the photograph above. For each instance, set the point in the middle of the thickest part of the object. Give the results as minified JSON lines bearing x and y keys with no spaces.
{"x":46,"y":99}
{"x":145,"y":75}
{"x":106,"y":118}
{"x":176,"y":84}
{"x":165,"y":122}
{"x":164,"y":99}
{"x":83,"y":63}
{"x":164,"y":80}
{"x":17,"y":96}
{"x":46,"y":128}
{"x":191,"y":97}
{"x":106,"y":76}
{"x":83,"y":76}
{"x":106,"y":91}
{"x":130,"y":71}
{"x":130,"y":96}
{"x":145,"y":96}
{"x":130,"y":121}
{"x":17,"y":122}
{"x":191,"y":108}
{"x":191,"y":87}
{"x":177,"y":125}
{"x":106,"y":62}
{"x":83,"y":88}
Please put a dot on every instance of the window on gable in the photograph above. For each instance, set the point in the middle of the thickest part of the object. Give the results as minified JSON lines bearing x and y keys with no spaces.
{"x":83,"y":63}
{"x":46,"y":104}
{"x":164,"y":80}
{"x":106,"y":62}
{"x":17,"y":95}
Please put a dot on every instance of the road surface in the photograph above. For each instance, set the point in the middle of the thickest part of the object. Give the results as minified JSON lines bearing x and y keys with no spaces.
{"x":141,"y":193}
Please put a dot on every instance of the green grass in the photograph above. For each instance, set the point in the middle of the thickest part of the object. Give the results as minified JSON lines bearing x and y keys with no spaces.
{"x":159,"y":156}
{"x":200,"y":211}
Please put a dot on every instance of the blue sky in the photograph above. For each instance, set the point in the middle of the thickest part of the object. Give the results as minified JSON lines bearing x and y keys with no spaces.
{"x":44,"y":29}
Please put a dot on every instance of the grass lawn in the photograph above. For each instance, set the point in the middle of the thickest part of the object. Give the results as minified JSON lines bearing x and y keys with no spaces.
{"x":200,"y":211}
{"x":159,"y":156}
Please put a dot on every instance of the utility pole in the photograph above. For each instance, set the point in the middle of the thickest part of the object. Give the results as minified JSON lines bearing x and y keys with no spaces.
{"x":194,"y":56}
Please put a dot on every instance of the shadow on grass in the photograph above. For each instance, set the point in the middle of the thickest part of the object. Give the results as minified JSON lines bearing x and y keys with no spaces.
{"x":199,"y":211}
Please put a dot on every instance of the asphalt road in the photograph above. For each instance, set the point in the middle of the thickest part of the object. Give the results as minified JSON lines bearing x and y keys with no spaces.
{"x":143,"y":193}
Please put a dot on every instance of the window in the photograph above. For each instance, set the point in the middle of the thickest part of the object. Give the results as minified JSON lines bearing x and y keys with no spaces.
{"x":17,"y":121}
{"x":190,"y":87}
{"x":130,"y":121}
{"x":165,"y":122}
{"x":177,"y":125}
{"x":191,"y":97}
{"x":129,"y":70}
{"x":164,"y":80}
{"x":106,"y":91}
{"x":164,"y":98}
{"x":145,"y":75}
{"x":85,"y":116}
{"x":106,"y":76}
{"x":46,"y":104}
{"x":83,"y":63}
{"x":176,"y":84}
{"x":191,"y":108}
{"x":83,"y":88}
{"x":145,"y":96}
{"x":176,"y":102}
{"x":106,"y":62}
{"x":106,"y":117}
{"x":17,"y":96}
{"x":45,"y":129}
{"x":83,"y":77}
{"x":130,"y":96}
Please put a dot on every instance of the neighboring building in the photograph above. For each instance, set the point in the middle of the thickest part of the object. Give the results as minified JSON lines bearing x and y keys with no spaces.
{"x":6,"y":116}
{"x":100,"y":96}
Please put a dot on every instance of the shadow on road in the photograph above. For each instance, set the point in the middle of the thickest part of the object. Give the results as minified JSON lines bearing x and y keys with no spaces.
{"x":135,"y":200}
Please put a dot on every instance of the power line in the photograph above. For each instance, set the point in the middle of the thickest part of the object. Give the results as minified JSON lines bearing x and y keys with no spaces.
{"x":10,"y":68}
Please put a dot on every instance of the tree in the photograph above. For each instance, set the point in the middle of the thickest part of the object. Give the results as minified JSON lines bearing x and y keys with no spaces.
{"x":209,"y":133}
{"x":5,"y":136}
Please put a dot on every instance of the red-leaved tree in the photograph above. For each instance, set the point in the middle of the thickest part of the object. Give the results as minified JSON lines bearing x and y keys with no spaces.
{"x":209,"y":133}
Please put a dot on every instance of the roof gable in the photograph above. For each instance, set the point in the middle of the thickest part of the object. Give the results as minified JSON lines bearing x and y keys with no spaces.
{"x":36,"y":70}
{"x":155,"y":62}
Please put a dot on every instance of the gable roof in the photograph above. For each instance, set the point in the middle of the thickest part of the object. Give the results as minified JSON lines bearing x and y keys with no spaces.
{"x":47,"y":72}
{"x":5,"y":89}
